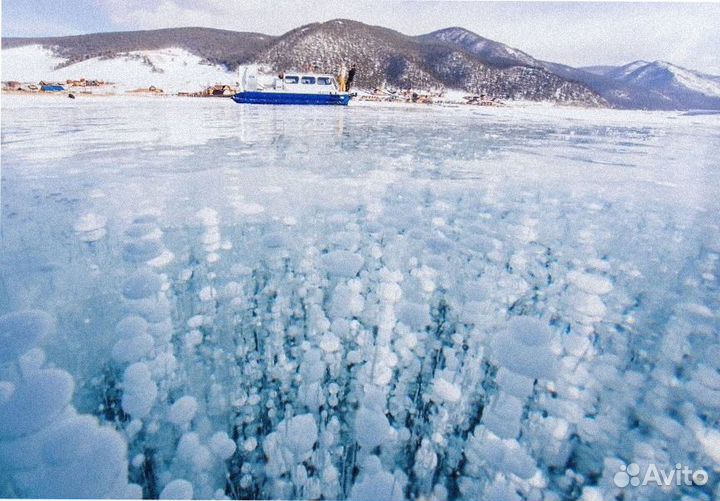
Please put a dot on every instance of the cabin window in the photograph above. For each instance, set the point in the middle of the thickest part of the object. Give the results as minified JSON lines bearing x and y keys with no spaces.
{"x":291,"y":79}
{"x":324,"y":81}
{"x":308,"y":80}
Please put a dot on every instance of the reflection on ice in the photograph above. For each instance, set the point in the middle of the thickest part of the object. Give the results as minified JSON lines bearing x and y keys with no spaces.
{"x":365,"y":302}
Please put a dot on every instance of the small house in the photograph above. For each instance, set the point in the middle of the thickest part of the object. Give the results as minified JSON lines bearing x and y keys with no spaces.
{"x":12,"y":85}
{"x":220,"y":90}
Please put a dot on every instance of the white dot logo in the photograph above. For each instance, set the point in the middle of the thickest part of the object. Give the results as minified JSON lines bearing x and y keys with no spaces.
{"x":621,"y":479}
{"x":628,"y":475}
{"x":700,"y":477}
{"x":653,"y":475}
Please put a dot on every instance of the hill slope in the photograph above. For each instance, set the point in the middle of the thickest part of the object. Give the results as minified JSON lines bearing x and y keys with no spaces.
{"x":488,"y":51}
{"x":172,"y":69}
{"x":448,"y":58}
{"x":382,"y":56}
{"x":636,"y":85}
{"x":221,"y":47}
{"x":681,"y":85}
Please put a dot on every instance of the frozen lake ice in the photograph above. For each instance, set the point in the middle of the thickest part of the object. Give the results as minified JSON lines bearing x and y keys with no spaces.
{"x":365,"y":302}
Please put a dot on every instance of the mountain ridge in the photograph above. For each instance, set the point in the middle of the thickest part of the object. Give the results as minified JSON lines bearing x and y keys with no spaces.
{"x":451,"y":57}
{"x":608,"y":81}
{"x":222,"y":47}
{"x":674,"y":82}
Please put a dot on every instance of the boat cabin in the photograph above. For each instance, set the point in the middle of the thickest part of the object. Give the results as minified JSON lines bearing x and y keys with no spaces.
{"x":290,"y":82}
{"x":306,"y":83}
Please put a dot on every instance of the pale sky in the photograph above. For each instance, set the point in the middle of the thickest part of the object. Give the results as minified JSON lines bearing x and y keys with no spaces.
{"x":575,"y":33}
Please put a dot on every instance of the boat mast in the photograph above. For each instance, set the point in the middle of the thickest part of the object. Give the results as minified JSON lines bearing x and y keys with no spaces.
{"x":277,"y":65}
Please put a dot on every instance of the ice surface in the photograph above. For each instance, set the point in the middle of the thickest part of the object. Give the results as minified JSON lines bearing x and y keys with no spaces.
{"x":21,"y":330}
{"x":193,"y":453}
{"x":291,"y":444}
{"x":525,"y":349}
{"x":514,"y":384}
{"x":177,"y":489}
{"x":299,"y":434}
{"x":131,"y":326}
{"x":371,"y":428}
{"x":90,"y":227}
{"x":446,"y":391}
{"x":183,"y":410}
{"x":138,"y":251}
{"x":140,"y":391}
{"x":365,"y":302}
{"x":82,"y":459}
{"x":343,"y":263}
{"x":592,"y":284}
{"x":46,"y":448}
{"x":142,"y":284}
{"x":133,"y":349}
{"x":222,"y":446}
{"x":375,"y":483}
{"x":35,"y":402}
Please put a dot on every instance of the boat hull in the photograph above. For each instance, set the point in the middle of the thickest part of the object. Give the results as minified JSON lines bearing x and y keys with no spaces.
{"x":291,"y":98}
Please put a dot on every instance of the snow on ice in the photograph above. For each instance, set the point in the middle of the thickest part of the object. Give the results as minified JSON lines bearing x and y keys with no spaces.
{"x":360,"y":303}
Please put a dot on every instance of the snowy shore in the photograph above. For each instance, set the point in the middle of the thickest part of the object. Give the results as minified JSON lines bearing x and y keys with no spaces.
{"x":452,"y":101}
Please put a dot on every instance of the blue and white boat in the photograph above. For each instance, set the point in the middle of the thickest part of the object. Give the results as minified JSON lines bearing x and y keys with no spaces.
{"x":291,"y":88}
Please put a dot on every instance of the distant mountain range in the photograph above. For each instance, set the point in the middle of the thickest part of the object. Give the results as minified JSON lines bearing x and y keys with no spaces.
{"x":680,"y":87}
{"x":641,"y":84}
{"x":450,"y":58}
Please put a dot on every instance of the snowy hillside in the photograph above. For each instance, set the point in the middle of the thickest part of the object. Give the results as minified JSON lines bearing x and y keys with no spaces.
{"x":383,"y":57}
{"x":387,"y":57}
{"x":661,"y":75}
{"x":221,"y":47}
{"x":617,"y":72}
{"x":639,"y":84}
{"x":681,"y":87}
{"x":487,"y":50}
{"x":171,"y":69}
{"x":451,"y":58}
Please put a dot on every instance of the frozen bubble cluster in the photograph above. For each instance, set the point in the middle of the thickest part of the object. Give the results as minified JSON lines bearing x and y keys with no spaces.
{"x":381,"y":304}
{"x":48,"y":449}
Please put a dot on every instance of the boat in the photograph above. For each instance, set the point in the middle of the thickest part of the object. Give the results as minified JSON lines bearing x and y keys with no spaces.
{"x":291,"y":88}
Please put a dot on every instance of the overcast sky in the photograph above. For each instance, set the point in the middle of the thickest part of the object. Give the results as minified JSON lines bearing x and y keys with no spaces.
{"x":579,"y":34}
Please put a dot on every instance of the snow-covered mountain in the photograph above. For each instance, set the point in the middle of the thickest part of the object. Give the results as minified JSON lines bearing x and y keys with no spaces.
{"x":191,"y":58}
{"x":616,"y":72}
{"x":640,"y":84}
{"x":487,"y":50}
{"x":222,"y":47}
{"x":681,"y":85}
{"x":383,"y":57}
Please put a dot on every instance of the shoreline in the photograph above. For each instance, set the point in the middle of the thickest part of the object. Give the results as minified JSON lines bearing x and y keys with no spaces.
{"x":507,"y":106}
{"x":450,"y":103}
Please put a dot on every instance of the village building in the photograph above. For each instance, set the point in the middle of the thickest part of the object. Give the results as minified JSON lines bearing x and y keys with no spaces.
{"x":12,"y":85}
{"x":220,"y":90}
